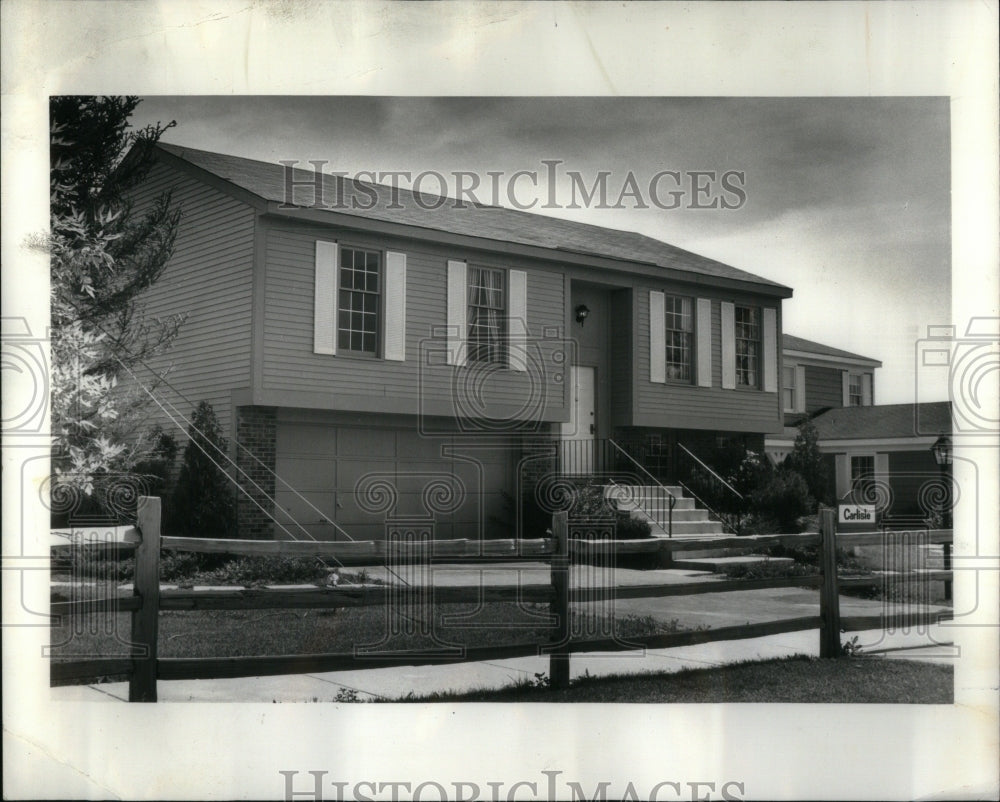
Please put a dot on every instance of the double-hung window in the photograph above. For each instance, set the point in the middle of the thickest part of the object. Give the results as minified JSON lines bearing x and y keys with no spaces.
{"x":862,"y":472}
{"x":487,"y":315}
{"x":678,"y":328}
{"x":359,"y":307}
{"x":854,"y":391}
{"x":788,"y":388}
{"x":747,"y":331}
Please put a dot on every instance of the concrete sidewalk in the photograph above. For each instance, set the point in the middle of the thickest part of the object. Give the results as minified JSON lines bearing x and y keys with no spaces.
{"x":396,"y":682}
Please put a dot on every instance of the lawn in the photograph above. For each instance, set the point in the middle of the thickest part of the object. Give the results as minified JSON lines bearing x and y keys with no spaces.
{"x":871,"y":680}
{"x":232,"y":633}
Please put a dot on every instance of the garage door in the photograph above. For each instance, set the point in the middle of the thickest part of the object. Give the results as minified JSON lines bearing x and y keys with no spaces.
{"x":364,"y":477}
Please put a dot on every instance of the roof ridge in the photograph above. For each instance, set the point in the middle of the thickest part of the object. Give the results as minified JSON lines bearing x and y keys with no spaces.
{"x":644,"y":247}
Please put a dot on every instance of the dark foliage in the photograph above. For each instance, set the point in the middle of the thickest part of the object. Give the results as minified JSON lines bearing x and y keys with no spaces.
{"x":203,"y":504}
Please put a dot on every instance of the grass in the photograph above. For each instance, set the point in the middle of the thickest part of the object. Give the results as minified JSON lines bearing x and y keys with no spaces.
{"x":238,"y":633}
{"x":798,"y":679}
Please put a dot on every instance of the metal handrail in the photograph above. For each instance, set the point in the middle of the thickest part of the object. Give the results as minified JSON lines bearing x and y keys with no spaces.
{"x":718,"y":515}
{"x":673,"y":499}
{"x":688,"y":451}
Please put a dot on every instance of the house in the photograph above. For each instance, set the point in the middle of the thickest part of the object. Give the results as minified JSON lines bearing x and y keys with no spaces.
{"x":878,"y":455}
{"x":882,"y":455}
{"x":817,"y":378}
{"x":387,"y":359}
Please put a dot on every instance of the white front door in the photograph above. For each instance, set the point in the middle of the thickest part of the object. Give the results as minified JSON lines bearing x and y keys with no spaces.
{"x":578,"y":433}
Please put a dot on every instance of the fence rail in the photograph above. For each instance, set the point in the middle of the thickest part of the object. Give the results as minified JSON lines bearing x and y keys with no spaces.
{"x":144,"y":667}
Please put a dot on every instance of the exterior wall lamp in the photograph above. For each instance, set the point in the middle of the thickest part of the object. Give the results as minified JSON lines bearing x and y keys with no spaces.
{"x":582,"y":311}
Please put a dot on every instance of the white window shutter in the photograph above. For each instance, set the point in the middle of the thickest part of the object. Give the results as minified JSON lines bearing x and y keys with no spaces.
{"x":395,"y":306}
{"x":800,"y":388}
{"x":728,"y":345}
{"x":703,"y":346}
{"x":882,"y":467}
{"x":866,"y":389}
{"x":843,"y":474}
{"x":657,"y":338}
{"x":845,"y":386}
{"x":457,"y":312}
{"x":325,"y":299}
{"x":517,"y":320}
{"x":770,"y":350}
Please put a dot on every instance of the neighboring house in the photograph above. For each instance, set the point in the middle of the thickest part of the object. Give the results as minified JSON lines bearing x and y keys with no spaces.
{"x":816,"y":378}
{"x":382,"y":358}
{"x":879,"y":455}
{"x":882,"y":455}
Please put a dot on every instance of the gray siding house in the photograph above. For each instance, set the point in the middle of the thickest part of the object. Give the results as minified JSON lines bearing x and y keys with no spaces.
{"x":380,"y":357}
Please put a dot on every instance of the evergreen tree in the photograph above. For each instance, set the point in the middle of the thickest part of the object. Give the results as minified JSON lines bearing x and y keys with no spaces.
{"x":807,"y":461}
{"x":203,"y":504}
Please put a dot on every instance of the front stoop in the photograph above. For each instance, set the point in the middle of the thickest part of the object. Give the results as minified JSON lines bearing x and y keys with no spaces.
{"x":688,"y":520}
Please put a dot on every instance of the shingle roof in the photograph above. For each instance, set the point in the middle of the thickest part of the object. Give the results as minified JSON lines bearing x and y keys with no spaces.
{"x":396,"y":205}
{"x":890,"y":420}
{"x":791,"y":343}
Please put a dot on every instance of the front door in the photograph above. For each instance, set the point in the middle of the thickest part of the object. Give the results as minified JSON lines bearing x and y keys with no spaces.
{"x":579,"y":432}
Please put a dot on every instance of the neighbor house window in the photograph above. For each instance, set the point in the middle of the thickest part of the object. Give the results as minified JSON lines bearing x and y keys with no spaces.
{"x":487,"y":315}
{"x":678,"y":337}
{"x":788,"y":387}
{"x":747,"y":325}
{"x":862,"y":472}
{"x":359,"y":305}
{"x":855,"y":393}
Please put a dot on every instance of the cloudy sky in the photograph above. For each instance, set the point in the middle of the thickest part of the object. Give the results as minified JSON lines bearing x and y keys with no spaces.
{"x":847,"y":199}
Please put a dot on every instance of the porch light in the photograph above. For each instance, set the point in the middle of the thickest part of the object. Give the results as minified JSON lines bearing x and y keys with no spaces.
{"x":582,"y":311}
{"x":942,"y":450}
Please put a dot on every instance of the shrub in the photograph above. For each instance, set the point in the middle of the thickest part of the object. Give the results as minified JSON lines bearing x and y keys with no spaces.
{"x":784,"y":496}
{"x":202,"y":504}
{"x":632,"y":529}
{"x":156,"y":468}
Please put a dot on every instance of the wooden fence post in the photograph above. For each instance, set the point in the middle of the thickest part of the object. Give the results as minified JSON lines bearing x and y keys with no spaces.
{"x":145,"y":620}
{"x":946,"y":565}
{"x":559,"y":658}
{"x":829,"y":596}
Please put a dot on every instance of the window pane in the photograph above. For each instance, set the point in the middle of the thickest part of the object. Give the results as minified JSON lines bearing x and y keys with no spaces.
{"x":359,"y":299}
{"x":486,"y":318}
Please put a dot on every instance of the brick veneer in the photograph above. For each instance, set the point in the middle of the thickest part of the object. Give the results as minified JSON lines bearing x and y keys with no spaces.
{"x":256,"y":429}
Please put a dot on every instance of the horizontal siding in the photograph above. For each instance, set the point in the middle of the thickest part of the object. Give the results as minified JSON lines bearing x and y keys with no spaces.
{"x":289,"y":363}
{"x":824,"y":388}
{"x":208,"y":279}
{"x":677,"y":405}
{"x":621,"y":354}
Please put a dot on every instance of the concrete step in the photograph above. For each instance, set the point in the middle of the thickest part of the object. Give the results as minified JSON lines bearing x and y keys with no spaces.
{"x":637,"y":511}
{"x":630,"y":493}
{"x":719,"y":564}
{"x":682,"y":528}
{"x":651,"y":490}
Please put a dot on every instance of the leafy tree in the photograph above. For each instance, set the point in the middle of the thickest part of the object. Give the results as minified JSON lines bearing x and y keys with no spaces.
{"x":807,"y":461}
{"x":203,"y":504}
{"x":103,"y":255}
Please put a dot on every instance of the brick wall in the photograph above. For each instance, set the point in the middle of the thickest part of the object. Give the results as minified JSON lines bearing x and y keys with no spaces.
{"x":255,"y":455}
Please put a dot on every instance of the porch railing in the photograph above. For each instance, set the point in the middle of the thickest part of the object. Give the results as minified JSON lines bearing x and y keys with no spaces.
{"x":726,"y":502}
{"x":606,"y":461}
